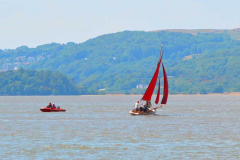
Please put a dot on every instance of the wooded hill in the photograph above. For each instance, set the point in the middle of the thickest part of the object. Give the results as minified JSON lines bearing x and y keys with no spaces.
{"x":195,"y":63}
{"x":31,"y":82}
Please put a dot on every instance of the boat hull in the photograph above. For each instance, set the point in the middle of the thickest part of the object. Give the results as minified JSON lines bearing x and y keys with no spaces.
{"x":52,"y":110}
{"x":148,"y":112}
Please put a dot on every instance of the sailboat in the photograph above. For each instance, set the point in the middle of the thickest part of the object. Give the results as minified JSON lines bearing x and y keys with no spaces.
{"x":143,"y":106}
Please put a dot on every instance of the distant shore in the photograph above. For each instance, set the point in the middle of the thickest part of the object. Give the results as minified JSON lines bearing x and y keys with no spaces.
{"x":119,"y":94}
{"x":226,"y":93}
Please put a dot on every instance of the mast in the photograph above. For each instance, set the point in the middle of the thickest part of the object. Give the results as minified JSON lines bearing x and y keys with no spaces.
{"x":158,"y":93}
{"x":165,"y":90}
{"x":148,"y":93}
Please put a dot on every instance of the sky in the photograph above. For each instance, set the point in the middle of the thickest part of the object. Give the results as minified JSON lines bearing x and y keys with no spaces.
{"x":37,"y":22}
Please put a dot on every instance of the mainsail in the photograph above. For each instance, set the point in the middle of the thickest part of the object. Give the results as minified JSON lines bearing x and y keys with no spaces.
{"x":158,"y":93}
{"x":165,"y":90}
{"x":148,"y":93}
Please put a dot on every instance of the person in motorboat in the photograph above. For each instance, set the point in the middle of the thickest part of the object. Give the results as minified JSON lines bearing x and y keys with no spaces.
{"x":49,"y":105}
{"x":137,"y":106}
{"x":53,"y":106}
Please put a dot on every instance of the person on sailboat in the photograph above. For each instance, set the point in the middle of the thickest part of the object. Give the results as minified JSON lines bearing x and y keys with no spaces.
{"x":145,"y":107}
{"x":149,"y":105}
{"x":49,"y":105}
{"x":137,"y":106}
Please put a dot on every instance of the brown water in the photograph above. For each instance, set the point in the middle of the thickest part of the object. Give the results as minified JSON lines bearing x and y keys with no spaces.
{"x":99,"y":127}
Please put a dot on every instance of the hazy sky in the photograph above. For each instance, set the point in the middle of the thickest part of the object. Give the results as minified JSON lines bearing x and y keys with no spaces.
{"x":37,"y":22}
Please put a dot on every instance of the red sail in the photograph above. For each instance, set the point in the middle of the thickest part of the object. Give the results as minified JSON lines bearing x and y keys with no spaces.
{"x":148,"y":94}
{"x":158,"y":93}
{"x":165,"y":90}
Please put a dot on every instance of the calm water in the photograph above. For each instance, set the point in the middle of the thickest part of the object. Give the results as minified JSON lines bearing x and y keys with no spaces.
{"x":99,"y":127}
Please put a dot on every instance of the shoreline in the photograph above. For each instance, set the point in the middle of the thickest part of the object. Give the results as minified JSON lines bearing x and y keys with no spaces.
{"x":226,"y":93}
{"x":119,"y":94}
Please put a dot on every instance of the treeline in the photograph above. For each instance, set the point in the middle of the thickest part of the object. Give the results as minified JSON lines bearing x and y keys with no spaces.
{"x":31,"y":82}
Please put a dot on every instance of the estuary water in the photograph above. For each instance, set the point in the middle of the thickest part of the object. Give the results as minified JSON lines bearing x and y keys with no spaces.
{"x":100,"y":127}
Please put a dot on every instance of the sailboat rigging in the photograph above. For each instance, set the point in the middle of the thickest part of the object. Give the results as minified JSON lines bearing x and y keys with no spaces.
{"x":146,"y":108}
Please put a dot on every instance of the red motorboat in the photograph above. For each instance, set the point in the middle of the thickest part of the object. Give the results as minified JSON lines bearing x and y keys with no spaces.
{"x":46,"y":109}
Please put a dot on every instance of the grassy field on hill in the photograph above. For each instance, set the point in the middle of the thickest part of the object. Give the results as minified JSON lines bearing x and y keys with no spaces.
{"x":234,"y":33}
